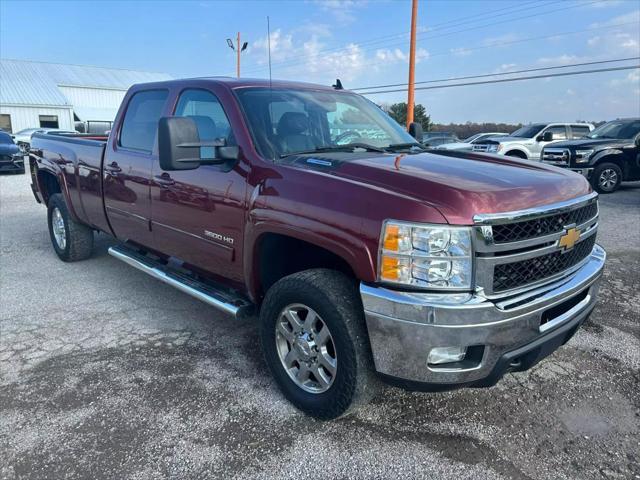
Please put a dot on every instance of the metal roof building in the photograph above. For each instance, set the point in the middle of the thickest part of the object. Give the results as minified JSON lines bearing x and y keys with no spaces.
{"x":40,"y":94}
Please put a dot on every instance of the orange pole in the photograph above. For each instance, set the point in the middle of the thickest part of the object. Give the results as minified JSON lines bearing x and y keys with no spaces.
{"x":412,"y":63}
{"x":238,"y":53}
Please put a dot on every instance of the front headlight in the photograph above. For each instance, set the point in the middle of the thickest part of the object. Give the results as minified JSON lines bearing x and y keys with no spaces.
{"x":494,"y":148}
{"x":582,"y":156}
{"x":428,"y":256}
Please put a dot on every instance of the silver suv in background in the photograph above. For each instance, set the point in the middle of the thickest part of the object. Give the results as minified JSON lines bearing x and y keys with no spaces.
{"x":527,"y":142}
{"x":467,"y":143}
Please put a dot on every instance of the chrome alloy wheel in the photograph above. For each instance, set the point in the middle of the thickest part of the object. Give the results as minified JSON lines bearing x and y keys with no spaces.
{"x":306,"y":348}
{"x":608,"y":179}
{"x":59,"y":232}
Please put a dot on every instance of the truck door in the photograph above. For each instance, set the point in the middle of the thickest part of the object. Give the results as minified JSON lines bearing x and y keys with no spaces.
{"x":198,"y":215}
{"x":559,"y":133}
{"x":127,"y":167}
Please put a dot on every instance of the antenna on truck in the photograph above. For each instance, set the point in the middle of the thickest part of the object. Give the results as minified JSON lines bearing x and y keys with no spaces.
{"x":270,"y":84}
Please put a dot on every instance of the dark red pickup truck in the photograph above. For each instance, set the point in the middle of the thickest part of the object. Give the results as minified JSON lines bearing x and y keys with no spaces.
{"x":365,"y":255}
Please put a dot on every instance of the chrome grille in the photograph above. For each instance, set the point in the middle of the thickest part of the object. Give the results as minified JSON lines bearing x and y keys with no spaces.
{"x":538,"y":227}
{"x":512,"y":275}
{"x":517,"y":251}
{"x":556,"y":156}
{"x":481,"y":147}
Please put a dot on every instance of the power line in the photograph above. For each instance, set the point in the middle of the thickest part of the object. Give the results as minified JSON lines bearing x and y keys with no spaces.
{"x":502,"y":44}
{"x":504,"y":80}
{"x":538,"y":69}
{"x":435,"y":27}
{"x":290,"y":61}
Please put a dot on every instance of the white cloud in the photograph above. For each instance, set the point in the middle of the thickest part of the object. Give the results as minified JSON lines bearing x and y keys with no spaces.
{"x":343,"y":11}
{"x":605,"y":3}
{"x":305,"y":52}
{"x":631,"y":78}
{"x":460,"y":52}
{"x":389,"y":56}
{"x":559,"y":60}
{"x":629,"y":17}
{"x":594,"y":41}
{"x":627,"y":41}
{"x":505,"y":67}
{"x":506,"y":38}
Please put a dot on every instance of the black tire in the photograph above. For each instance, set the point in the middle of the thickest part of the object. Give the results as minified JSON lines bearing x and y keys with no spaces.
{"x":336,"y":299}
{"x":603,"y":175}
{"x":78,"y":243}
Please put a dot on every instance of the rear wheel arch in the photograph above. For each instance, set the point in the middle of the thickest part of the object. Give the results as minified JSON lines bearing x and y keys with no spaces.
{"x":48,"y":184}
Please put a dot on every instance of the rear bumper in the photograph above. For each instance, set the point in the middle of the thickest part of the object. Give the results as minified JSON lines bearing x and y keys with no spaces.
{"x":500,"y":335}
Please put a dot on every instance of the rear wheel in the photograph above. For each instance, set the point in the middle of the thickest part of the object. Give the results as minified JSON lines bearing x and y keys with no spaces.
{"x":315,"y":343}
{"x":71,"y":241}
{"x":606,"y":178}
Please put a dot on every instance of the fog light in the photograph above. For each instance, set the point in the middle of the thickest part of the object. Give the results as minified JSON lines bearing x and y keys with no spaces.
{"x":442,"y":355}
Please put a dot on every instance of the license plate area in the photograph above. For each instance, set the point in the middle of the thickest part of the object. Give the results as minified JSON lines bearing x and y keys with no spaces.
{"x":555,"y":315}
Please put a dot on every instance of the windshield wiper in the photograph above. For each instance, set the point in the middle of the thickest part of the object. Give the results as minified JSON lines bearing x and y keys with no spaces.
{"x":394,"y":147}
{"x":347,"y":147}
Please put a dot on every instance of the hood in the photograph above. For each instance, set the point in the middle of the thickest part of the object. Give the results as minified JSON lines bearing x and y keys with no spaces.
{"x":9,"y":149}
{"x":590,"y":143}
{"x":496,"y":140}
{"x":459,"y":184}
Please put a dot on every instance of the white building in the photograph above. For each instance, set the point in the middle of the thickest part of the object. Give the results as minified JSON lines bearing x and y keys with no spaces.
{"x":40,"y":94}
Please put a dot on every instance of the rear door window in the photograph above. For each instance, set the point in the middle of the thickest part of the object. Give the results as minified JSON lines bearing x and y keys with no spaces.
{"x":580,"y":131}
{"x":559,"y":132}
{"x":140,"y":123}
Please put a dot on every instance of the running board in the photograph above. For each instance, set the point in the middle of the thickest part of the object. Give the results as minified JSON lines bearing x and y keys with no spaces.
{"x":225,"y":300}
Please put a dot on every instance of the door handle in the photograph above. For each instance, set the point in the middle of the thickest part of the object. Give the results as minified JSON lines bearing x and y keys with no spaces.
{"x":113,"y":168}
{"x":164,"y":180}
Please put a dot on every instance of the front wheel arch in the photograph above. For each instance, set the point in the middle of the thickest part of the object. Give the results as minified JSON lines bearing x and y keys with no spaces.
{"x":517,"y":154}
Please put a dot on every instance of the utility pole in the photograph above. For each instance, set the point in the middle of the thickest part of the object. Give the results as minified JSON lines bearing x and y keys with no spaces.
{"x":412,"y":63}
{"x":238,"y":50}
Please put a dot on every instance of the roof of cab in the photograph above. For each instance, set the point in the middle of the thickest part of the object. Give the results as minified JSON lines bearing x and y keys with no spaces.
{"x":235,"y":83}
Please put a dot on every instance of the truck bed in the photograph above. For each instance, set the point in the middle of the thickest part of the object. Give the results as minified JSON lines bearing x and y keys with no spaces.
{"x":78,"y":159}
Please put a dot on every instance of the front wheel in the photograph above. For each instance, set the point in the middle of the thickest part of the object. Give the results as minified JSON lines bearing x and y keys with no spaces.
{"x":315,"y":343}
{"x":606,"y":178}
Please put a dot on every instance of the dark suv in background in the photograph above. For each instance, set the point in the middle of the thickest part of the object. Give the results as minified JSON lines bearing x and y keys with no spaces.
{"x":607,"y":156}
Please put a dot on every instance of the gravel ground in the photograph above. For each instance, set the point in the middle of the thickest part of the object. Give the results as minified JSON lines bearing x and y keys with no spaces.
{"x":106,"y":373}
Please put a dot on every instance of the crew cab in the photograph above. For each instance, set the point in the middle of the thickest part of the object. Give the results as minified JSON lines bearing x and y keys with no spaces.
{"x":358,"y":254}
{"x":527,"y":142}
{"x":607,"y":156}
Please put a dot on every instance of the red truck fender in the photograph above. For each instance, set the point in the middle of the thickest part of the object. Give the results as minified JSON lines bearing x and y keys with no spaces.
{"x":44,"y":167}
{"x":351,"y":250}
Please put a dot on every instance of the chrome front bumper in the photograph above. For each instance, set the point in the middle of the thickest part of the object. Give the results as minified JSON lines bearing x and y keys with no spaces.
{"x":505,"y":334}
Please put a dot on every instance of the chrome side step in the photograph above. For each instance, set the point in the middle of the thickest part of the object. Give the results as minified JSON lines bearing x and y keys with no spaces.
{"x":219,"y":298}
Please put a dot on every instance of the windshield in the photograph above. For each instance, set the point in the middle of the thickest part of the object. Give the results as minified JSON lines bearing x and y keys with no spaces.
{"x":473,"y":137}
{"x":26,"y":131}
{"x":286,"y":121}
{"x":529,"y":131}
{"x":617,"y":130}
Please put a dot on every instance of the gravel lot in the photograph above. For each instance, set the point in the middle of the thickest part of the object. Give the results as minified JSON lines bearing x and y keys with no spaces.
{"x":107,"y":373}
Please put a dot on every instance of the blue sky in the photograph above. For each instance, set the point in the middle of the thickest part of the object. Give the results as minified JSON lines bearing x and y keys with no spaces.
{"x":362,"y":42}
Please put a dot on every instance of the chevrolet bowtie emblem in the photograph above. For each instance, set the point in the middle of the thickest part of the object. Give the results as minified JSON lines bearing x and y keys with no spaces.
{"x":569,"y":239}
